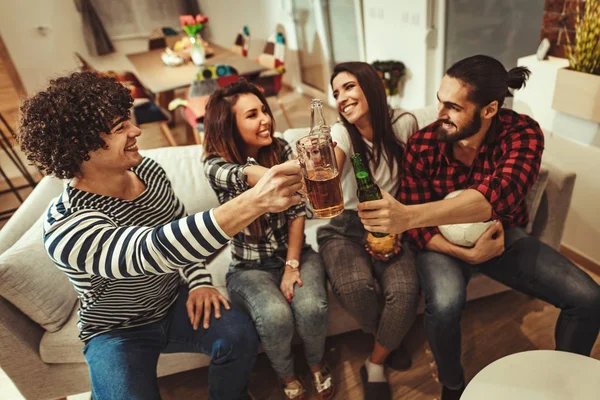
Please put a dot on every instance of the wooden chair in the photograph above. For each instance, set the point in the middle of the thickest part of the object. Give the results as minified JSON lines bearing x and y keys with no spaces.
{"x":208,"y":79}
{"x":273,"y":57}
{"x":242,"y":42}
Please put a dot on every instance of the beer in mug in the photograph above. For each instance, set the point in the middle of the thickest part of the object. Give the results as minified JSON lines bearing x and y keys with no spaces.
{"x":319,"y":166}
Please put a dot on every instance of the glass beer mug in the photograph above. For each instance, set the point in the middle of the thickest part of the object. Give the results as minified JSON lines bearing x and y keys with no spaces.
{"x":319,"y":166}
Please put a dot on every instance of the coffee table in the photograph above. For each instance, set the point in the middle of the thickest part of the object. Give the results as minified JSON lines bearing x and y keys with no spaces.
{"x":537,"y":375}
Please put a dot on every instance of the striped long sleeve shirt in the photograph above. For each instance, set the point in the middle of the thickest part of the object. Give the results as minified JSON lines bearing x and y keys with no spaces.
{"x":122,"y":256}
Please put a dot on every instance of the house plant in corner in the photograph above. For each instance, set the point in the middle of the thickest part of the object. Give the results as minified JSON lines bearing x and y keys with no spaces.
{"x":577,"y":90}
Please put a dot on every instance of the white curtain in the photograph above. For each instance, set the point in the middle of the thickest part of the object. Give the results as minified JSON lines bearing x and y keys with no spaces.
{"x":137,"y":18}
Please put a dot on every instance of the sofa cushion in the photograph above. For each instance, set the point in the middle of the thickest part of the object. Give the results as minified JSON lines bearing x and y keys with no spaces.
{"x":292,"y":135}
{"x":534,"y":197}
{"x":183,"y":166}
{"x":30,"y":280}
{"x":34,"y":205}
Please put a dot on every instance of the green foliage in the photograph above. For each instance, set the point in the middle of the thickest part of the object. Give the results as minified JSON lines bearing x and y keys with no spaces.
{"x":584,"y":55}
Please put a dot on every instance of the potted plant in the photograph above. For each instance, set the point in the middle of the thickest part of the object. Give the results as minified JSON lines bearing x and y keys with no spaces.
{"x":193,"y":26}
{"x":391,"y":73}
{"x":577,"y":89}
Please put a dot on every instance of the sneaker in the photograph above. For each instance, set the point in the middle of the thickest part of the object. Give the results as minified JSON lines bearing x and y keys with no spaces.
{"x":375,"y":390}
{"x":452,"y":394}
{"x":399,"y":359}
{"x":294,"y":390}
{"x":323,"y":383}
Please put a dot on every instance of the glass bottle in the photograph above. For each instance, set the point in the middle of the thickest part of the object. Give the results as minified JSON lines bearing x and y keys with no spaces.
{"x":319,"y":166}
{"x":381,"y":244}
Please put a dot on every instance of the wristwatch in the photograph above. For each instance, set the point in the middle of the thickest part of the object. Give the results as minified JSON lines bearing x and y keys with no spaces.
{"x":294,"y":264}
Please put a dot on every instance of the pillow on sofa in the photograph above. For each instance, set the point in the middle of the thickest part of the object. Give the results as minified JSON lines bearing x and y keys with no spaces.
{"x":183,"y":165}
{"x":30,"y":281}
{"x":534,"y":197}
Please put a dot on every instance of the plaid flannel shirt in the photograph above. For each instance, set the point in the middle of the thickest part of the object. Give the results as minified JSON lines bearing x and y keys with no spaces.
{"x":229,"y":181}
{"x":506,"y":167}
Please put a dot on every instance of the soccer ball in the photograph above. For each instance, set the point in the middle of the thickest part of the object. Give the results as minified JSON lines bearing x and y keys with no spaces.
{"x":464,"y":234}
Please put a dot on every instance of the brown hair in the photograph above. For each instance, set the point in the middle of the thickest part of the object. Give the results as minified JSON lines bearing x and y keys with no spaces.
{"x":60,"y":126}
{"x":384,"y":138}
{"x":222,"y":137}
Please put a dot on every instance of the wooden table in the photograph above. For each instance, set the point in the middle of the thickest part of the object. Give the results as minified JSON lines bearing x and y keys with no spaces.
{"x":537,"y":375}
{"x":162,"y":80}
{"x":158,"y":77}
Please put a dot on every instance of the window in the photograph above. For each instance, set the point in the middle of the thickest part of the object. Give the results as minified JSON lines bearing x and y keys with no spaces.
{"x":126,"y":19}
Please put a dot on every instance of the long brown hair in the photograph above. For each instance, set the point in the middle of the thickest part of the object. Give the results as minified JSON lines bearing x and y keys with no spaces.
{"x":384,"y":138}
{"x":222,"y":137}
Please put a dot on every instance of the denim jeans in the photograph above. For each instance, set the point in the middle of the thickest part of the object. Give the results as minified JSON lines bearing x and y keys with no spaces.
{"x":123,"y":362}
{"x":255,"y":288}
{"x":527,"y":265}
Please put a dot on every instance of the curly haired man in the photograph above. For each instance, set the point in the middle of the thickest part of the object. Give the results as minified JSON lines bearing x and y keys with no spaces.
{"x":120,"y":234}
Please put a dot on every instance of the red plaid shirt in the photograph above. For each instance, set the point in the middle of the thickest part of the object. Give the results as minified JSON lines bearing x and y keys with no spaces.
{"x":504,"y":170}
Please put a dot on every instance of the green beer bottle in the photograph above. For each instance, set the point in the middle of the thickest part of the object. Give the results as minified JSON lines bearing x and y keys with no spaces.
{"x":367,"y":189}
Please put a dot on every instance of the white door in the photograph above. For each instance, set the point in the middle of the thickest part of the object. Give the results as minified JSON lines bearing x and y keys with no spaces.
{"x":328,"y":32}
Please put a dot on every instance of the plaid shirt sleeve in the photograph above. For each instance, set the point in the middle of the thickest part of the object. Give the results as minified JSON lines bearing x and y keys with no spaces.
{"x":415,"y":188}
{"x":299,"y":210}
{"x":227,"y":177}
{"x":515,"y":172}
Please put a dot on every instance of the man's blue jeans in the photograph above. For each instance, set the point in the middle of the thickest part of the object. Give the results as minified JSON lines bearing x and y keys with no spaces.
{"x":123,"y":362}
{"x":527,"y":265}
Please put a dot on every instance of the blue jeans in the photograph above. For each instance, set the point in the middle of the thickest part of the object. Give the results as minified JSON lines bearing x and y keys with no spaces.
{"x":527,"y":265}
{"x":122,"y":363}
{"x":255,"y":288}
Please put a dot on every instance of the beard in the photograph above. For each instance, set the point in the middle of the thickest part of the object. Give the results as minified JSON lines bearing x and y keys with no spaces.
{"x":464,"y":133}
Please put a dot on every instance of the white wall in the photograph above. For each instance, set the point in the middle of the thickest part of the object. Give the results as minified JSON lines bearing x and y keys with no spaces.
{"x":39,"y":58}
{"x":411,"y":32}
{"x":572,"y":142}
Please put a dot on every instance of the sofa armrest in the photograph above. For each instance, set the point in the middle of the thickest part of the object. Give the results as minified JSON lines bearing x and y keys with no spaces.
{"x":19,"y":342}
{"x":20,"y":359}
{"x":34,"y":205}
{"x":552,"y":213}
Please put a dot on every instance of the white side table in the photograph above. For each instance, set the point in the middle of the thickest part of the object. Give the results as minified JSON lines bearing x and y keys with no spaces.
{"x":537,"y":375}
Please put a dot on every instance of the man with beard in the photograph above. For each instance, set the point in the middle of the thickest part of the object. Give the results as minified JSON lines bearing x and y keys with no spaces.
{"x":494,"y":154}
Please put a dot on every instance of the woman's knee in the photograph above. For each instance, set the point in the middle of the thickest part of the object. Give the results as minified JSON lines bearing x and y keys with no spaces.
{"x":354,"y":290}
{"x":311,"y":310}
{"x":275,"y":316}
{"x":402,"y":296}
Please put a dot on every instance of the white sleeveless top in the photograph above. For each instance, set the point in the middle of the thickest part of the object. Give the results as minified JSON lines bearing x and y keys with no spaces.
{"x":387,"y":180}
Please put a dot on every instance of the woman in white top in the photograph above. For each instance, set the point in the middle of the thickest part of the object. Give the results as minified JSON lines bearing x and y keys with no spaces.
{"x":370,"y":128}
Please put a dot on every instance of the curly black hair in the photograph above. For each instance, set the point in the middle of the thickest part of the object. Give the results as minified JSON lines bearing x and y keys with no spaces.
{"x":61,"y":125}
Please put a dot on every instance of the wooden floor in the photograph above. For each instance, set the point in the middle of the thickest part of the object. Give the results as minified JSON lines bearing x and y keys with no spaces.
{"x":493,"y":327}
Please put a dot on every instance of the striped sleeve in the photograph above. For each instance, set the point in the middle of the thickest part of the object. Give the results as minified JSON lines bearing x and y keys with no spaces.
{"x":89,"y":241}
{"x":197,"y":276}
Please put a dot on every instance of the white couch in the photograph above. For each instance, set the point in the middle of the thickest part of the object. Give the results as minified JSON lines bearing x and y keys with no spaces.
{"x":39,"y":348}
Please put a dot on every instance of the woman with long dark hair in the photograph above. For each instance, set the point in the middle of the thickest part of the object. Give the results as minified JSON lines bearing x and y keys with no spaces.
{"x":370,"y":128}
{"x":274,"y":275}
